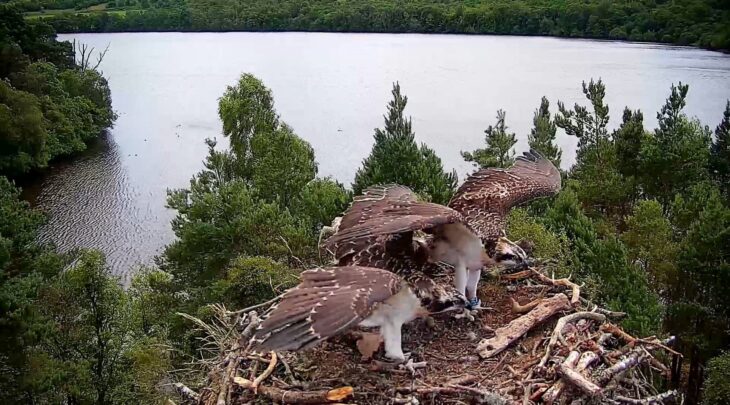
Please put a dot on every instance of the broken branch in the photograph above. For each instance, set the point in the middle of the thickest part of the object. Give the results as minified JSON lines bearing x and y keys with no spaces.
{"x":508,"y":334}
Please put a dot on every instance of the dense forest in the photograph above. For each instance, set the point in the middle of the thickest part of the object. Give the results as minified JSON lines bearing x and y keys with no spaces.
{"x":643,"y":223}
{"x":686,"y":22}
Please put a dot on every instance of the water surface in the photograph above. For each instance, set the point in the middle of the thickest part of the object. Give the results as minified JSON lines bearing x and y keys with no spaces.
{"x":332,"y":89}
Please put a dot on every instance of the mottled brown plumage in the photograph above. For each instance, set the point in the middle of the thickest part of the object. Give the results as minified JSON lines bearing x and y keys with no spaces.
{"x":487,"y":195}
{"x":332,"y":300}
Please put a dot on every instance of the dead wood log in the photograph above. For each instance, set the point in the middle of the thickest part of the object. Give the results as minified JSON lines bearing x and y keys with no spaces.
{"x":297,"y":397}
{"x":564,"y":282}
{"x":558,"y":331}
{"x":508,"y":334}
{"x":653,"y":400}
{"x":186,"y":392}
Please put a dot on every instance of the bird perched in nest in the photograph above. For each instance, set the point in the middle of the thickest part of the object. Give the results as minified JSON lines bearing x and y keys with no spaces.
{"x":329,"y":301}
{"x":380,"y":227}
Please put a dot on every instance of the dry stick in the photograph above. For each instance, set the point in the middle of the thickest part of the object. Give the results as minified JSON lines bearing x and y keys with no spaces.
{"x":186,"y":392}
{"x":252,"y":307}
{"x":611,"y":314}
{"x":297,"y":397}
{"x":575,"y":297}
{"x":656,"y":399}
{"x":557,"y":332}
{"x":508,"y":334}
{"x":266,"y":373}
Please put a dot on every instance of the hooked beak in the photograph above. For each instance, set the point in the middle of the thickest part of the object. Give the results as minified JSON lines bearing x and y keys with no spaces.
{"x":510,"y":251}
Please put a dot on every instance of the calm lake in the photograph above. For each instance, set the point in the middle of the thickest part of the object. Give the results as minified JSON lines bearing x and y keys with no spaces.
{"x":333,"y":90}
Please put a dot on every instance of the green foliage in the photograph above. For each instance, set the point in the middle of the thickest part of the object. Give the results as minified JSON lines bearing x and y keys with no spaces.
{"x":547,"y":244}
{"x":320,"y":201}
{"x":215,"y":226}
{"x":542,"y":134}
{"x":251,"y":280}
{"x":88,"y":350}
{"x":603,"y":263}
{"x":247,"y":109}
{"x":499,"y":143}
{"x":48,"y":106}
{"x":649,"y":240}
{"x":588,"y":126}
{"x":716,"y":389}
{"x":720,"y":154}
{"x":281,"y":165}
{"x":686,"y":22}
{"x":677,"y":154}
{"x":396,"y":158}
{"x":628,"y":139}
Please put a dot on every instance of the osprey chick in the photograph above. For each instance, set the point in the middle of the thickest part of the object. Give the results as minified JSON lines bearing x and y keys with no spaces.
{"x":332,"y":300}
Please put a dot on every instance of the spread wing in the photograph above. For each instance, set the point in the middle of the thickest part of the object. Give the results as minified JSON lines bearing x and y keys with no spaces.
{"x":328,"y":301}
{"x":394,"y":217}
{"x":486,"y":196}
{"x":373,"y":201}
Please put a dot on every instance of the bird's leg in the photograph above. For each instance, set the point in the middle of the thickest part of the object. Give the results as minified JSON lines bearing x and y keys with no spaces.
{"x":471,"y":288}
{"x":460,"y":277}
{"x":391,"y":332}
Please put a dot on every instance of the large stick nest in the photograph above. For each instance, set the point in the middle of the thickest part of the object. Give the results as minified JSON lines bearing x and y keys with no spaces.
{"x":539,"y":343}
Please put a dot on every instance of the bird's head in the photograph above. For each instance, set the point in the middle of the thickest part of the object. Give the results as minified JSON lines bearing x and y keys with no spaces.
{"x":508,"y":253}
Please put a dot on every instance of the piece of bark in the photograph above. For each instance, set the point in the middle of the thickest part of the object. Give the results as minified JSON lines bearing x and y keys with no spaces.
{"x":558,"y":331}
{"x":653,"y":400}
{"x":297,"y":397}
{"x":508,"y":334}
{"x":368,"y":344}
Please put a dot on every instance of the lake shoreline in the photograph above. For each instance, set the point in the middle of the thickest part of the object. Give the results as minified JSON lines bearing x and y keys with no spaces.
{"x":725,"y":51}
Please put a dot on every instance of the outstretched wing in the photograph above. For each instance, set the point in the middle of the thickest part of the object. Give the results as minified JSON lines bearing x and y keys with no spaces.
{"x":486,"y":196}
{"x":393,"y":217}
{"x":327,"y":301}
{"x":373,"y":201}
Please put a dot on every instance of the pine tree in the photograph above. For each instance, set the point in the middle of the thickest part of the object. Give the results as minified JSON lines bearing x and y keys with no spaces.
{"x":720,"y":153}
{"x":588,"y":127}
{"x":396,"y":158}
{"x":498,"y":151}
{"x":542,"y":135}
{"x":628,"y":139}
{"x":677,"y":154}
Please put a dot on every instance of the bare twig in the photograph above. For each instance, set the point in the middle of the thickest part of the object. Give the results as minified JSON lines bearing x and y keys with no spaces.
{"x":266,"y":373}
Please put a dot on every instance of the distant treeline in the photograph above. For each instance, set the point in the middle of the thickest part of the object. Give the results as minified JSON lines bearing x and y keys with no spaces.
{"x":685,"y":22}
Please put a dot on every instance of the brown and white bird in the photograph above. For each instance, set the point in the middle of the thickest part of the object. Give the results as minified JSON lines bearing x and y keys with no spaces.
{"x":329,"y":301}
{"x":378,"y":229}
